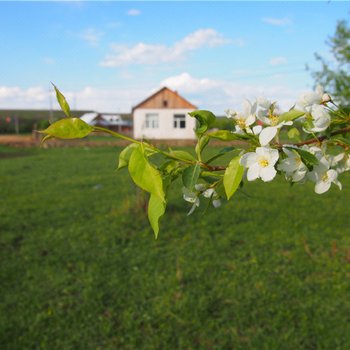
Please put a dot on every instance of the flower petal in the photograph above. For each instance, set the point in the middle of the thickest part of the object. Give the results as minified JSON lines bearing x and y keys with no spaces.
{"x":267,"y":134}
{"x":322,"y":186}
{"x":248,"y":159}
{"x":268,"y":173}
{"x":298,"y":175}
{"x":188,"y":195}
{"x":194,"y":206}
{"x":253,"y":172}
{"x":332,"y":175}
{"x":208,"y":193}
{"x":274,"y":155}
{"x":257,"y":129}
{"x":216,"y":203}
{"x":250,"y":120}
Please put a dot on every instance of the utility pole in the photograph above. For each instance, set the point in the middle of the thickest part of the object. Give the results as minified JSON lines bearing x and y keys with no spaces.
{"x":51,"y":108}
{"x":16,"y":121}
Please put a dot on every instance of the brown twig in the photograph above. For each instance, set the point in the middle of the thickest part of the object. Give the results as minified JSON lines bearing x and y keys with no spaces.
{"x":319,"y":139}
{"x":280,"y":146}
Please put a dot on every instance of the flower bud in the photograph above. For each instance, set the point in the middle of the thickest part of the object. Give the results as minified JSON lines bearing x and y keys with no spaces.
{"x":326,"y":98}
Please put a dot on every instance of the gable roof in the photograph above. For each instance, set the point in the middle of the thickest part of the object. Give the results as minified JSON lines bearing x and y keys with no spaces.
{"x":165,"y":98}
{"x":93,"y":118}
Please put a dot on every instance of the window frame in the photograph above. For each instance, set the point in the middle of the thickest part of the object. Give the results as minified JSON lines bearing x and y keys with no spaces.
{"x":179,"y":121}
{"x":152,"y":121}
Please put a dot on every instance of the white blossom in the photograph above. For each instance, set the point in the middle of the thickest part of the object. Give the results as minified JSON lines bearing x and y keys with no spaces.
{"x":320,"y":118}
{"x":193,"y":196}
{"x":268,"y":133}
{"x":245,"y":118}
{"x":260,"y":163}
{"x":323,"y":176}
{"x":293,"y":166}
{"x":316,"y":97}
{"x":343,"y":164}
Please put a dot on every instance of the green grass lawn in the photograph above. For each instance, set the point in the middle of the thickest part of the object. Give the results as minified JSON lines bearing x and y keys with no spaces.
{"x":80,"y":268}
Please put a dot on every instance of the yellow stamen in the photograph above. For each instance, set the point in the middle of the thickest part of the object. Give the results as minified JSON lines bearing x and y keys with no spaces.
{"x":325,"y":177}
{"x":274,"y":119}
{"x":263,"y":162}
{"x":241,"y":123}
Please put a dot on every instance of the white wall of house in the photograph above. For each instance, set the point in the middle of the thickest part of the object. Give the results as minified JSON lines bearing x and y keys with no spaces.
{"x":162,"y":124}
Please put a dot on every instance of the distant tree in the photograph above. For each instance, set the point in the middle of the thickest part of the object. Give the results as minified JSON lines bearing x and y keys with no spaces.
{"x":335,"y":72}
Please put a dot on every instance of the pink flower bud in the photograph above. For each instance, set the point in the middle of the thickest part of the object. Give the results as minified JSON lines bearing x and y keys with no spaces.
{"x":326,"y":98}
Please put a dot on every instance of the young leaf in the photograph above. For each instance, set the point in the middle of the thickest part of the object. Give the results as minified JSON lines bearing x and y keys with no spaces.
{"x":144,"y":174}
{"x":233,"y":176}
{"x":156,"y":209}
{"x":125,"y":155}
{"x":294,"y":134}
{"x":290,"y":115}
{"x":341,"y":139}
{"x":182,"y":155}
{"x":190,"y":176}
{"x":62,"y":101}
{"x":221,"y":153}
{"x":68,"y":128}
{"x":226,"y":135}
{"x":201,"y":144}
{"x":205,"y":120}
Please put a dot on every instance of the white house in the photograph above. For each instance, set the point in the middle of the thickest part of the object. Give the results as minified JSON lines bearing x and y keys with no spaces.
{"x":164,"y":115}
{"x":107,"y":120}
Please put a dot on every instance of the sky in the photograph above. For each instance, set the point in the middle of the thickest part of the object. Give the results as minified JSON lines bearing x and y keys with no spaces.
{"x":109,"y":56}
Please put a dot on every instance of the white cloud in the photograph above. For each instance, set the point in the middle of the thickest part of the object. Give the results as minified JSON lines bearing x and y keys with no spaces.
{"x":142,"y":53}
{"x":33,"y":94}
{"x":91,"y":36}
{"x":89,"y":98}
{"x":218,"y":95}
{"x":277,"y":61}
{"x":134,"y":12}
{"x":277,"y":21}
{"x":211,"y":94}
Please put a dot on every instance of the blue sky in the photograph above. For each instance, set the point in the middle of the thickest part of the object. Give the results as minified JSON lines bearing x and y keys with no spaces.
{"x":109,"y":56}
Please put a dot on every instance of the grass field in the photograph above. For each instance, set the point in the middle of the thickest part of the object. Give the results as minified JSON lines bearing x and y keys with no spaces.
{"x":80,"y":268}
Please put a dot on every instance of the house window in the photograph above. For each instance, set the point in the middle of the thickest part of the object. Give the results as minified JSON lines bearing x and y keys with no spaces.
{"x":179,"y":121}
{"x":165,"y":103}
{"x":152,"y":121}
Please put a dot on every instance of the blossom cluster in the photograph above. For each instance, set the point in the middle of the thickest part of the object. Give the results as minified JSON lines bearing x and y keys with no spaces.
{"x":266,"y":159}
{"x":262,"y":122}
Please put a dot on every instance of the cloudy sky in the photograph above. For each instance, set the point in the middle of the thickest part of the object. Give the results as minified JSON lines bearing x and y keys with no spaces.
{"x":108,"y":56}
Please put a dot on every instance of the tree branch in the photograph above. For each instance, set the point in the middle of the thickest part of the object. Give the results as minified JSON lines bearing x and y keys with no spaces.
{"x":280,"y":146}
{"x":319,"y":139}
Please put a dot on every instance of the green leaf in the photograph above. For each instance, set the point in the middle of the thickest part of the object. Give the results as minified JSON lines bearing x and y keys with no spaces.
{"x":62,"y":101}
{"x":144,"y":174}
{"x":226,"y":135}
{"x":68,"y":128}
{"x":201,"y":144}
{"x":294,"y":134}
{"x":233,"y":176}
{"x":182,"y":155}
{"x":205,"y":120}
{"x":307,"y":158}
{"x":341,"y":139}
{"x":156,"y":209}
{"x":290,"y":115}
{"x":190,"y":176}
{"x":125,"y":155}
{"x":221,"y":153}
